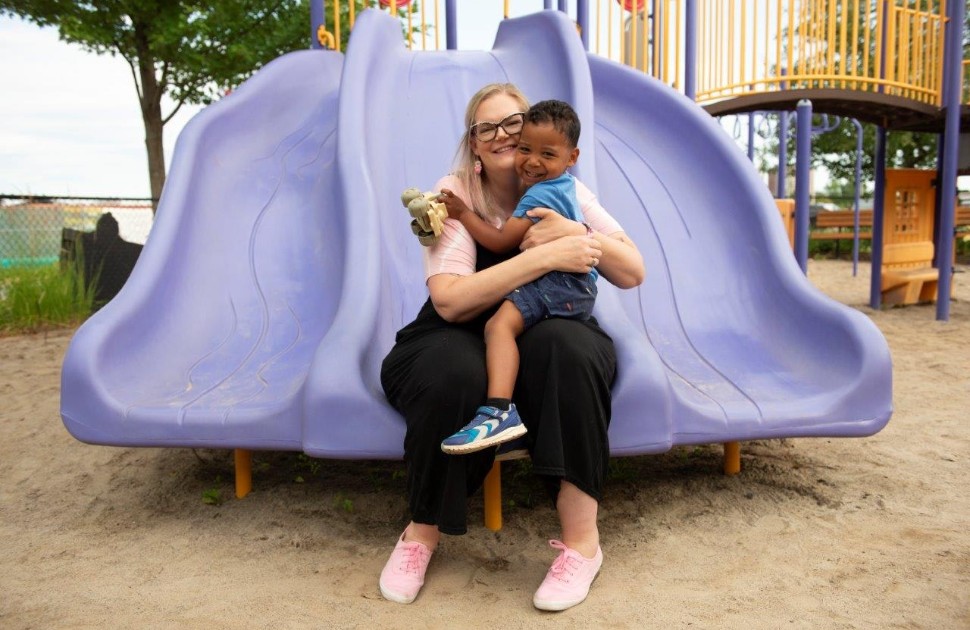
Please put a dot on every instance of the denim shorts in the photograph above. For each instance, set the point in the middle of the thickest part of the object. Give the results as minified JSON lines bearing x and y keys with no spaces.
{"x":556,"y":294}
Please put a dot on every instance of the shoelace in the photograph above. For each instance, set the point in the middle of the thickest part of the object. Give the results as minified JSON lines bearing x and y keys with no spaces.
{"x":564,"y":567}
{"x":411,"y":559}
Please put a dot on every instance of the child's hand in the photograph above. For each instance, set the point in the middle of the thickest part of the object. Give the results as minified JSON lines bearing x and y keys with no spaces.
{"x":453,"y":203}
{"x":551,"y":226}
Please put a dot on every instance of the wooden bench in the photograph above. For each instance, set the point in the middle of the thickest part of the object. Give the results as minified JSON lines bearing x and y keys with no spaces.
{"x":908,"y":276}
{"x":961,"y":225}
{"x":838,"y":225}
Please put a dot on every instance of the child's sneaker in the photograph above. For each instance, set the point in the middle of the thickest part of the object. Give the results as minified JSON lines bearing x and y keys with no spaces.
{"x":490,"y":426}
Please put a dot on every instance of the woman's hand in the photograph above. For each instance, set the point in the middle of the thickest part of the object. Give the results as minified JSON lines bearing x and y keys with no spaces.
{"x":617,"y":257}
{"x":572,"y":254}
{"x":551,"y":226}
{"x":453,"y":203}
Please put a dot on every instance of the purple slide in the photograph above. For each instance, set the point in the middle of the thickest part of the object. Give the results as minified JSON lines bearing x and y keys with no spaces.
{"x":281,"y":263}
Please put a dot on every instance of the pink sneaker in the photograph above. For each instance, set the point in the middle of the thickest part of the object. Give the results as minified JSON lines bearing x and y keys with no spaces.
{"x":568,"y":580}
{"x":403,"y":575}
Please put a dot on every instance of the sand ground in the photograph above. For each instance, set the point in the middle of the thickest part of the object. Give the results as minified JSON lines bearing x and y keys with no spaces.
{"x":815,"y":533}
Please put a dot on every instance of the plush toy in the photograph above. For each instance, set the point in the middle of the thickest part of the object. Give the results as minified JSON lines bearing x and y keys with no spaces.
{"x":429,"y":214}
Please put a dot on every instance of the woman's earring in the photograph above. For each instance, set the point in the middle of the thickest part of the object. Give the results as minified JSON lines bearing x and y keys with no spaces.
{"x":478,"y":167}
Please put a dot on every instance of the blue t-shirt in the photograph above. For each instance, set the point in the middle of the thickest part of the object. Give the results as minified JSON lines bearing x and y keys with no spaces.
{"x":558,"y":194}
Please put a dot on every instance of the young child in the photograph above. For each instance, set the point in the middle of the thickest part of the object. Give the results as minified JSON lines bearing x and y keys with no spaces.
{"x":547,"y":147}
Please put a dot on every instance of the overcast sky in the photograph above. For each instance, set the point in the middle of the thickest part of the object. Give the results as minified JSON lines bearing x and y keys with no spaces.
{"x":70,"y":123}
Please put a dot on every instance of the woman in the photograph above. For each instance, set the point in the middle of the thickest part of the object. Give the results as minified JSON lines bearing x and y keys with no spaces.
{"x":435,"y":374}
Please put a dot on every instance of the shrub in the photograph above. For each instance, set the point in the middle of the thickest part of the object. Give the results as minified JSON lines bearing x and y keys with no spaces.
{"x":33,"y":298}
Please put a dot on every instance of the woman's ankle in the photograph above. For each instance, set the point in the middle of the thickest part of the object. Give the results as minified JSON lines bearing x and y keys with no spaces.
{"x":586,"y":546}
{"x":427,"y":535}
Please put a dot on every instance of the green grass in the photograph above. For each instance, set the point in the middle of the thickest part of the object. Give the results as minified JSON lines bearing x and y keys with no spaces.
{"x":35,"y":298}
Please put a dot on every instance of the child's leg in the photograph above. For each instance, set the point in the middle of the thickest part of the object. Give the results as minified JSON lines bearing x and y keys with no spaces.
{"x":496,"y":421}
{"x":501,"y":351}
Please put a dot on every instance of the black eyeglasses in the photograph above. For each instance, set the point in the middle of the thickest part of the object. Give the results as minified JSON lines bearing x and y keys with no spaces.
{"x":486,"y":131}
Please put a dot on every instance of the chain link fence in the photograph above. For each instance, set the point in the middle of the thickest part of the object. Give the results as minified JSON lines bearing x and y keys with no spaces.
{"x":101,"y":236}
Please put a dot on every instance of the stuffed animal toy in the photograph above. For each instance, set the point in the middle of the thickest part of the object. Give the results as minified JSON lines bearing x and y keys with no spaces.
{"x":429,"y":214}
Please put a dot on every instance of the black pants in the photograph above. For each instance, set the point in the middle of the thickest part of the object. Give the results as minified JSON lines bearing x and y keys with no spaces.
{"x":436,"y":378}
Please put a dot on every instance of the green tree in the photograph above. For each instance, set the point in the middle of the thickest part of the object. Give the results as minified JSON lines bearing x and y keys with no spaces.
{"x":191,"y":50}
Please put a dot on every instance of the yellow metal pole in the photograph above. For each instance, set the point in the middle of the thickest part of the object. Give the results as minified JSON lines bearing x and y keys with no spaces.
{"x":493,"y":498}
{"x":244,"y":472}
{"x":732,"y":458}
{"x":336,"y":23}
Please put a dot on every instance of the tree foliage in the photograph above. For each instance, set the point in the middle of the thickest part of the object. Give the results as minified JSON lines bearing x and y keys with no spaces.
{"x":190,"y":50}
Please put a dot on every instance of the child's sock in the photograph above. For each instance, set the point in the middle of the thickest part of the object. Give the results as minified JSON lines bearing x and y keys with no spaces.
{"x":502,"y":404}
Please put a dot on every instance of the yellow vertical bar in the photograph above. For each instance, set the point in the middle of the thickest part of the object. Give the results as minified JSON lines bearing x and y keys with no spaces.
{"x":718,"y":78}
{"x":877,"y":38}
{"x":243,"y":460}
{"x":634,"y":39}
{"x":730,"y":41}
{"x":855,"y":41}
{"x":904,"y":74}
{"x":892,"y":48}
{"x":732,"y":458}
{"x":493,"y":498}
{"x":655,"y":58}
{"x":831,"y":48}
{"x":437,"y":27}
{"x":938,"y":57}
{"x":678,"y":30}
{"x":336,"y":23}
{"x":410,"y":13}
{"x":767,"y":65}
{"x":863,"y":71}
{"x":645,"y":36}
{"x":609,"y":29}
{"x":623,"y":37}
{"x":778,"y":38}
{"x":424,"y":28}
{"x":919,"y":26}
{"x":791,"y":40}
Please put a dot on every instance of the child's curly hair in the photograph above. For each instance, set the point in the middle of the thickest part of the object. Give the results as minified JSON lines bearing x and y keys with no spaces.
{"x":562,"y":116}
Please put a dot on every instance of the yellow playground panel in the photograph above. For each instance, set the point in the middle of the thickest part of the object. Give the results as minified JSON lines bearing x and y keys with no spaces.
{"x":908,"y":275}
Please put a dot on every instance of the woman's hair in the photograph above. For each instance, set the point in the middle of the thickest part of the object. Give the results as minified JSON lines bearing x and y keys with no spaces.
{"x":482,"y":201}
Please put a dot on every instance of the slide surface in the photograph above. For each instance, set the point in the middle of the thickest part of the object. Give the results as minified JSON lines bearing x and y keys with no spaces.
{"x":282,"y":263}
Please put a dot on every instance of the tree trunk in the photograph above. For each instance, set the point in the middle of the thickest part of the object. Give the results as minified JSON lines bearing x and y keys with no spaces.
{"x":151,"y":114}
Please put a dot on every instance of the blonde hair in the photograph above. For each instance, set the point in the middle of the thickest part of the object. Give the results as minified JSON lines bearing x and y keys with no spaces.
{"x":481,"y":198}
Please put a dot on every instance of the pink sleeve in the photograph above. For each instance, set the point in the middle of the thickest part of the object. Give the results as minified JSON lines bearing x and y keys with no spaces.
{"x":596,"y":215}
{"x":455,"y":251}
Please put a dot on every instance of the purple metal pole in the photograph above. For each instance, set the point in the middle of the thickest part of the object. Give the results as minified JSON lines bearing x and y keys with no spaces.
{"x":563,"y":7}
{"x":582,"y":17}
{"x":782,"y":185}
{"x":690,"y":49}
{"x":318,"y":18}
{"x":855,"y":207}
{"x":751,"y":117}
{"x":547,"y":5}
{"x":951,"y":138}
{"x":803,"y":156}
{"x":451,"y":25}
{"x":878,"y":210}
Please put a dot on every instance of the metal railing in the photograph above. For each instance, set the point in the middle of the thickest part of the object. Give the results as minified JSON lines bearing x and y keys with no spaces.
{"x":743,"y":47}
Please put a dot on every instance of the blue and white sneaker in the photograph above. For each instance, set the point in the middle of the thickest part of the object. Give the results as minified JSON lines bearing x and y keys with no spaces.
{"x":490,"y":427}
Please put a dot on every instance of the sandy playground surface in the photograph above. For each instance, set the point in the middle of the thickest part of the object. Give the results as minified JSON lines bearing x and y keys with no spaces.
{"x":815,"y":533}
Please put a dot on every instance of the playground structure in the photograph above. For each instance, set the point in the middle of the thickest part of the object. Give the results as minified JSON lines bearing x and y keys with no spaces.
{"x":281,"y":265}
{"x":890,"y":63}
